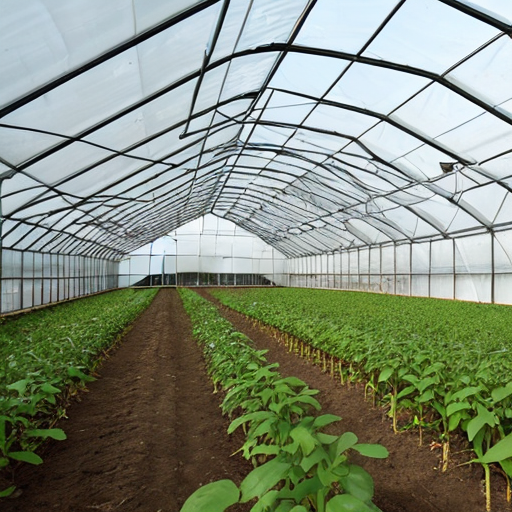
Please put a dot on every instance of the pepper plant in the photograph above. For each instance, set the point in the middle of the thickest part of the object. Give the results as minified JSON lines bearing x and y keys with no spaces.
{"x":297,"y":467}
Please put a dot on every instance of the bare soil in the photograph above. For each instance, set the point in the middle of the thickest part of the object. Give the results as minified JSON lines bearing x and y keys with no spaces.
{"x":150,"y":431}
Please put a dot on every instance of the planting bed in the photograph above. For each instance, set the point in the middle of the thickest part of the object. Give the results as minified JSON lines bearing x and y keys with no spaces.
{"x":149,"y":432}
{"x":145,"y":436}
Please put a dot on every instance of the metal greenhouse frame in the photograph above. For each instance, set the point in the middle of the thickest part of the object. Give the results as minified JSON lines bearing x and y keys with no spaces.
{"x":369,"y":143}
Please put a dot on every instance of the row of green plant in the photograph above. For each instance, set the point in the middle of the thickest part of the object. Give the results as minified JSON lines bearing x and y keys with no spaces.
{"x":298,"y":468}
{"x":447,"y":363}
{"x":46,"y":357}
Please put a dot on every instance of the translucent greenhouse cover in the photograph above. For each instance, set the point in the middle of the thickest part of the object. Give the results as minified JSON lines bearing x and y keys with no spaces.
{"x":314,"y":125}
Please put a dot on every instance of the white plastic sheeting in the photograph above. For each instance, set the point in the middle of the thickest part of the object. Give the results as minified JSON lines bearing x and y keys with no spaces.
{"x":210,"y":251}
{"x":320,"y":126}
{"x":315,"y":125}
{"x":476,"y":268}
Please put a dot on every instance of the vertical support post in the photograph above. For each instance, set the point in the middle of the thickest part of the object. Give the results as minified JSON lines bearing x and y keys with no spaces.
{"x":273,"y":268}
{"x":51,"y":277}
{"x":349,"y":284}
{"x":454,"y":275}
{"x":22,"y":281}
{"x":149,"y":267}
{"x":33,"y":278}
{"x":394,"y":267}
{"x":176,"y":263}
{"x":341,"y":269}
{"x":58,"y":277}
{"x":380,"y":267}
{"x":429,"y":266}
{"x":359,"y":276}
{"x":410,"y":269}
{"x":163,"y":269}
{"x":493,"y":270}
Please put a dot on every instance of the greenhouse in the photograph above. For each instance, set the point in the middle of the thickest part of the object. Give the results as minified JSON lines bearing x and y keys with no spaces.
{"x":263,"y":153}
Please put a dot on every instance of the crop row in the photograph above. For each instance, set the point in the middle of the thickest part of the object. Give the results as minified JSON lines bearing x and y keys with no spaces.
{"x":45,"y":357}
{"x":447,"y":363}
{"x":298,"y":468}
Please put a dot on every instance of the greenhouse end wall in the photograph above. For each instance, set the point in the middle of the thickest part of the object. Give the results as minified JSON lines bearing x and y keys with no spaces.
{"x":472,"y":268}
{"x":32,"y":279}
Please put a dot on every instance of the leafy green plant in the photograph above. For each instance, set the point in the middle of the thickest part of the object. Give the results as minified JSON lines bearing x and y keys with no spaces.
{"x":297,"y":467}
{"x":47,"y":357}
{"x":443,"y":365}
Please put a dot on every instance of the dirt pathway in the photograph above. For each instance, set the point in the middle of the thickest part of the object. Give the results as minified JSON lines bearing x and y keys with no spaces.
{"x":409,"y":480}
{"x":145,"y":436}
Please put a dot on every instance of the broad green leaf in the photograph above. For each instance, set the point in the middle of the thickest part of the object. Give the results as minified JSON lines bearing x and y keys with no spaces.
{"x":212,"y":497}
{"x":406,"y":391}
{"x":49,"y":389}
{"x":252,"y":416}
{"x":78,"y":374}
{"x":436,"y":367}
{"x":506,"y":465}
{"x":7,"y":492}
{"x":296,"y":474}
{"x":54,"y":433}
{"x":427,"y":396}
{"x":316,"y":456}
{"x":358,"y":483}
{"x":465,"y":393}
{"x":265,"y":449}
{"x":377,"y":451}
{"x":308,"y":487}
{"x":264,"y":427}
{"x":456,"y":407}
{"x":426,"y":383}
{"x":440,"y":408}
{"x":385,"y":374}
{"x":291,"y":448}
{"x":455,"y":418}
{"x":500,"y":451}
{"x":304,"y":438}
{"x":413,"y":379}
{"x":265,"y":395}
{"x":29,"y":457}
{"x":283,"y":427}
{"x":326,"y":438}
{"x":501,"y":393}
{"x":325,"y":419}
{"x":326,"y":476}
{"x":20,"y":386}
{"x":483,"y":418}
{"x":346,"y":503}
{"x":306,"y":399}
{"x":283,"y":389}
{"x":263,"y":478}
{"x":285,"y":506}
{"x":345,"y":441}
{"x":292,"y":381}
{"x":265,"y":502}
{"x":299,"y":508}
{"x":4,"y":462}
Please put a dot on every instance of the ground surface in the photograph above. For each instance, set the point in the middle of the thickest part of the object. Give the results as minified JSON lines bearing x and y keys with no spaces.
{"x":150,"y":431}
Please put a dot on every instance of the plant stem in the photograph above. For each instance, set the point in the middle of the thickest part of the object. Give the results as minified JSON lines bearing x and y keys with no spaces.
{"x":487,"y":487}
{"x":446,"y":454}
{"x":393,"y":410}
{"x":320,"y":503}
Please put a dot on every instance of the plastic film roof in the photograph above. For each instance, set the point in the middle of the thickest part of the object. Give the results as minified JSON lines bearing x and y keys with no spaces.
{"x":316,"y":125}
